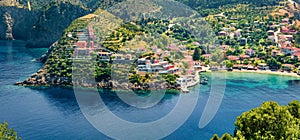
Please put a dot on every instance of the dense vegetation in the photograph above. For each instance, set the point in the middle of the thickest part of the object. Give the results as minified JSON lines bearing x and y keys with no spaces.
{"x":270,"y":121}
{"x":7,"y":133}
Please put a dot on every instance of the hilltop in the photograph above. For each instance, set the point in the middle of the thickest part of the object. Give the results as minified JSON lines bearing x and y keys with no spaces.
{"x":38,"y":26}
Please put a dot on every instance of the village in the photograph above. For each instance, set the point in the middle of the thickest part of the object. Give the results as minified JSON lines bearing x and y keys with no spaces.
{"x":268,"y":44}
{"x":156,"y":62}
{"x":265,"y":44}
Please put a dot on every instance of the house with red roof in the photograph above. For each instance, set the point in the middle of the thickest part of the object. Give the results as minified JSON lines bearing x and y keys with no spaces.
{"x":233,"y":58}
{"x":244,"y":57}
{"x":296,"y":56}
{"x":81,"y":44}
{"x":285,"y":30}
{"x":287,"y":67}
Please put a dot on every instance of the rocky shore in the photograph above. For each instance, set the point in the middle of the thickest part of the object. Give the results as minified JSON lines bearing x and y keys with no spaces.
{"x":42,"y":79}
{"x":45,"y":56}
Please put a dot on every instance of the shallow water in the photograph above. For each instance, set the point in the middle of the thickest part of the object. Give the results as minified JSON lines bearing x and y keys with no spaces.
{"x":53,"y":113}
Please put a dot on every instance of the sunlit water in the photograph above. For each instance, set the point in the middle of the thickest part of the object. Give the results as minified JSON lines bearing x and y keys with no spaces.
{"x":53,"y":113}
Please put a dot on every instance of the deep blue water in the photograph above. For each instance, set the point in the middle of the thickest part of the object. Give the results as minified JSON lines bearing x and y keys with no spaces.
{"x":53,"y":113}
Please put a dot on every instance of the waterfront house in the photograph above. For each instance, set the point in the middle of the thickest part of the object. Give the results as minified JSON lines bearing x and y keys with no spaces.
{"x":262,"y":66}
{"x":233,"y":58}
{"x":237,"y":66}
{"x":287,"y":67}
{"x":249,"y":67}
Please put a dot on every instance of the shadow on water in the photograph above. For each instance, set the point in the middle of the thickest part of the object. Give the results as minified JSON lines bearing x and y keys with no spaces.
{"x":64,"y":99}
{"x":294,"y":82}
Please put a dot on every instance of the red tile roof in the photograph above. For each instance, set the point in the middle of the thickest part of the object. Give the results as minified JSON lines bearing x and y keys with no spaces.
{"x":81,"y":44}
{"x":233,"y":58}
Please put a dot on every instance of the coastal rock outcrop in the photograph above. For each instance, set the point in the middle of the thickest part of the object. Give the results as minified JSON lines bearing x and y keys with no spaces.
{"x":39,"y":28}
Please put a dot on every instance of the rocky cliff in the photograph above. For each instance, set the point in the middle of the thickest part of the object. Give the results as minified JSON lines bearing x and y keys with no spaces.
{"x":39,"y":28}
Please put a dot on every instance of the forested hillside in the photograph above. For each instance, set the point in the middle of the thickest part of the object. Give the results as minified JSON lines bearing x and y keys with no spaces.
{"x":44,"y":22}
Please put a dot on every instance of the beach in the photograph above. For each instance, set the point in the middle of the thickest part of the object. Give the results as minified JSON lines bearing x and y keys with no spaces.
{"x":269,"y":72}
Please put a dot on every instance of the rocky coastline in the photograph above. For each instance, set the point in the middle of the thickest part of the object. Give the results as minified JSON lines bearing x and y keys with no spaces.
{"x":41,"y":79}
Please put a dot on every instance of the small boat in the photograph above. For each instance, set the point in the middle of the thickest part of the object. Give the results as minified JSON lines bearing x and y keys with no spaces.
{"x":204,"y":80}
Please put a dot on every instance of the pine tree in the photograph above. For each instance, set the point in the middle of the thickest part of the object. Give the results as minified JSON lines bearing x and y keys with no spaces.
{"x":197,"y":54}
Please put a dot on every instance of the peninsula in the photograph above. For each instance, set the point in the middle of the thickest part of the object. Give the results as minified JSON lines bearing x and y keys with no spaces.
{"x":243,"y":40}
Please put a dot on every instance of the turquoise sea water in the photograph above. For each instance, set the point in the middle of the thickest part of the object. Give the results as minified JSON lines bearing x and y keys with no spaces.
{"x":53,"y":113}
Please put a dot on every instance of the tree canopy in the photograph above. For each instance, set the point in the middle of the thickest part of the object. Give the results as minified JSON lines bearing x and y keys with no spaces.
{"x":270,"y":121}
{"x":197,"y":54}
{"x":7,"y":133}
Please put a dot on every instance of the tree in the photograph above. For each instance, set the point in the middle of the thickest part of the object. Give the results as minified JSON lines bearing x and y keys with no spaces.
{"x":229,"y":64}
{"x":273,"y":63}
{"x":197,"y":54}
{"x":7,"y":133}
{"x":215,"y":137}
{"x":294,"y":108}
{"x":226,"y":136}
{"x":269,"y":121}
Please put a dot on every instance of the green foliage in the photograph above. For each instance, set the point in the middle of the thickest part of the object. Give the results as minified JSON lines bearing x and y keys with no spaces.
{"x":229,"y":64}
{"x":171,"y":78}
{"x":297,"y":38}
{"x":294,"y":108}
{"x":197,"y":54}
{"x":7,"y":133}
{"x":215,"y":137}
{"x":226,"y":136}
{"x":273,"y":63}
{"x":270,"y":121}
{"x":117,"y":38}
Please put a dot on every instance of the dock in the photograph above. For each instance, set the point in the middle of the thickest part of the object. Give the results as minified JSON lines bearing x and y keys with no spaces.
{"x":184,"y":89}
{"x":186,"y":83}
